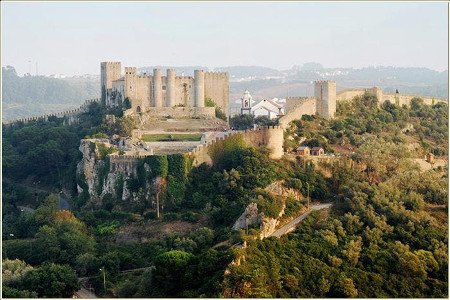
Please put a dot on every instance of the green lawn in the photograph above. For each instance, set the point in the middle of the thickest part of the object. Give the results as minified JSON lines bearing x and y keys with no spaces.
{"x":181,"y":137}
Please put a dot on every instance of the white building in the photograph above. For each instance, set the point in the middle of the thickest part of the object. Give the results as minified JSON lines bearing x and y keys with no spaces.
{"x":268,"y":108}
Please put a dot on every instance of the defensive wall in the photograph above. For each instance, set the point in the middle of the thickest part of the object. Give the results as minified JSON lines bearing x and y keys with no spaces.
{"x":399,"y":99}
{"x":178,"y":112}
{"x":270,"y":137}
{"x":127,"y":163}
{"x":69,"y":116}
{"x":325,"y":97}
{"x":296,"y":107}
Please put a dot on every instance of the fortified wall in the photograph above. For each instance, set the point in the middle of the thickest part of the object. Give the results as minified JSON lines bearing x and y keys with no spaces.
{"x":69,"y":117}
{"x":325,"y":97}
{"x":399,"y":99}
{"x":296,"y":107}
{"x":271,"y":137}
{"x":180,"y":112}
{"x":126,"y":164}
{"x":322,"y":104}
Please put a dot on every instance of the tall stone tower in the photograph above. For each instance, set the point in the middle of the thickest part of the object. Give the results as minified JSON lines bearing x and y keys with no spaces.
{"x":199,"y":88}
{"x":325,"y":94}
{"x":377,"y":92}
{"x":157,"y":88}
{"x":130,"y":86}
{"x":109,"y":71}
{"x":170,"y":91}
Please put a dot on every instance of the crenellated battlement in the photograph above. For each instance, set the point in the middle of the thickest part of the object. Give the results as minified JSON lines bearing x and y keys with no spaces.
{"x":216,"y":74}
{"x":111,"y":62}
{"x":325,"y":82}
{"x":130,"y":70}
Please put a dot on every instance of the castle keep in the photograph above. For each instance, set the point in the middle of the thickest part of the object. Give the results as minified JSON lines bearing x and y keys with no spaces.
{"x":158,"y":91}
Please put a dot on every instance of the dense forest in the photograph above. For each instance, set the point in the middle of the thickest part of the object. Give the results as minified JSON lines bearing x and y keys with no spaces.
{"x":386,"y":234}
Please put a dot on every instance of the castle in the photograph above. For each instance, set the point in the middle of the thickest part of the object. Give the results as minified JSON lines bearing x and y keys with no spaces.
{"x":325,"y":98}
{"x":157,"y":91}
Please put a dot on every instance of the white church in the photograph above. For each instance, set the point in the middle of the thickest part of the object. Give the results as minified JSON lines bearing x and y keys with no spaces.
{"x":271,"y":108}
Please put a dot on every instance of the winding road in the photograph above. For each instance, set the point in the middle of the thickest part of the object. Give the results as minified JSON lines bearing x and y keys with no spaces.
{"x":293,"y":224}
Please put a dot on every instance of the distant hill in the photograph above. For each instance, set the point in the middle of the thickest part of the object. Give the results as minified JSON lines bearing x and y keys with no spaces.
{"x":186,"y":70}
{"x":249,"y":71}
{"x":234,"y":72}
{"x":36,"y":95}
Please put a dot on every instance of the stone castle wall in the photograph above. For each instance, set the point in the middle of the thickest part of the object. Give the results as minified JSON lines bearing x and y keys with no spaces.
{"x":217,"y":88}
{"x":406,"y":99}
{"x":69,"y":116}
{"x":184,"y":91}
{"x":178,"y":112}
{"x":163,"y":91}
{"x":270,"y":137}
{"x":298,"y":106}
{"x":403,"y":99}
{"x":126,"y":164}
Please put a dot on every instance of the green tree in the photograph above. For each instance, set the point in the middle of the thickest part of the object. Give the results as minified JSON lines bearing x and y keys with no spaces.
{"x":170,"y":269}
{"x":52,"y":281}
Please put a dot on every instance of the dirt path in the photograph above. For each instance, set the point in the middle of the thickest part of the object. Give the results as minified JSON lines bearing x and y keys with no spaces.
{"x":85,"y":294}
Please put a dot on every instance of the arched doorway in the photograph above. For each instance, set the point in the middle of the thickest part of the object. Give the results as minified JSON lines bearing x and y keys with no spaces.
{"x":138,"y":109}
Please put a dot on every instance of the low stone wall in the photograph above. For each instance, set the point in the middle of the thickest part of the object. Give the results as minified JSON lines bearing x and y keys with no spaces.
{"x":179,"y":112}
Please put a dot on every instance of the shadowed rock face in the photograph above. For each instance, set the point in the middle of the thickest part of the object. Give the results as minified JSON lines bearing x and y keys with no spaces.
{"x":248,"y":218}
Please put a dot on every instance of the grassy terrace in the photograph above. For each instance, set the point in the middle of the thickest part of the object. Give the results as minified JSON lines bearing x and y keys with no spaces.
{"x":178,"y":137}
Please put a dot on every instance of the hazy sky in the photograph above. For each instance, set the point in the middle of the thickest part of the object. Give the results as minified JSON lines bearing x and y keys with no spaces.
{"x":72,"y":38}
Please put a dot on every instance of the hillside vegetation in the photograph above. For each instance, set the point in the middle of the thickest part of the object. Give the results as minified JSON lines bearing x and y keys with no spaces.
{"x":386,"y":234}
{"x":383,"y":237}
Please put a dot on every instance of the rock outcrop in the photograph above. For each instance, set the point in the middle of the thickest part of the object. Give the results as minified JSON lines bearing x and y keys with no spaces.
{"x":251,"y":217}
{"x":101,"y":176}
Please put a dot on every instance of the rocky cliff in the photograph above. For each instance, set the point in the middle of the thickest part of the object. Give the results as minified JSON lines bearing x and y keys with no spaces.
{"x":103,"y":178}
{"x":253,"y":217}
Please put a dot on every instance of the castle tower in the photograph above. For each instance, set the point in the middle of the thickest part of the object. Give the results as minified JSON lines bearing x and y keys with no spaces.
{"x":157,"y":88}
{"x":109,"y":71}
{"x":170,"y":92}
{"x":379,"y":93}
{"x":130,"y":86}
{"x":274,"y":139}
{"x":325,"y":94}
{"x":199,"y":88}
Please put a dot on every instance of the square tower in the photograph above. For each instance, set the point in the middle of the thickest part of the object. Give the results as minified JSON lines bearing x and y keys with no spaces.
{"x":109,"y":71}
{"x":325,"y":94}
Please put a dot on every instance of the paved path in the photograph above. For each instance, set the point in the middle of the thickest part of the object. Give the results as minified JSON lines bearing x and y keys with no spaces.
{"x":292,"y":224}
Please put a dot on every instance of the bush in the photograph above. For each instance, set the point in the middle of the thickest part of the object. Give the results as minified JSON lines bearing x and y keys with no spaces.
{"x":167,"y":217}
{"x":190,"y":216}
